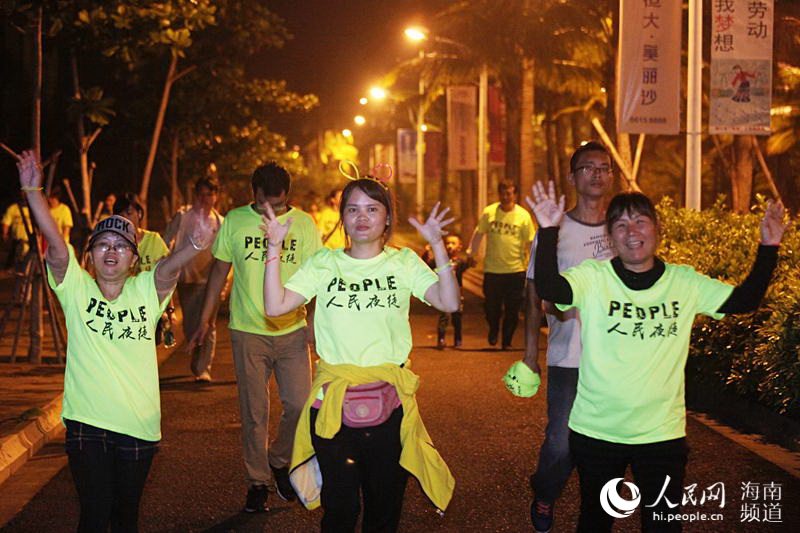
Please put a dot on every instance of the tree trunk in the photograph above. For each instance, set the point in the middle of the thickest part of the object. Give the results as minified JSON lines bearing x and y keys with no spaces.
{"x":742,"y":176}
{"x":468,"y":198}
{"x":513,"y":122}
{"x":83,"y":149}
{"x":151,"y":156}
{"x":35,"y":326}
{"x":561,"y":144}
{"x":175,"y":193}
{"x":526,"y":165}
{"x":610,"y":75}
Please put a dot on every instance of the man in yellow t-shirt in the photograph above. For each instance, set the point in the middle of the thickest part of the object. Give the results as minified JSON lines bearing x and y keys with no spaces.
{"x":263,"y":344}
{"x":13,"y":227}
{"x":331,"y":232}
{"x":60,"y":212}
{"x":510,"y":231}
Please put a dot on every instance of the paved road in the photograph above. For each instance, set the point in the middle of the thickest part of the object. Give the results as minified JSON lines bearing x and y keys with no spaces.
{"x":487,"y":437}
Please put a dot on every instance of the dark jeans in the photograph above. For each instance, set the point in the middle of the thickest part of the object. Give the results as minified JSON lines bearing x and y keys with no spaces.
{"x":502,"y":295}
{"x":444,"y":318}
{"x":555,"y":463}
{"x":599,"y":461}
{"x":109,"y":470}
{"x":365,"y":459}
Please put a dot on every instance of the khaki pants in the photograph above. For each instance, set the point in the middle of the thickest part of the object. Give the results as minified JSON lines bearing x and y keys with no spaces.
{"x":255,"y":357}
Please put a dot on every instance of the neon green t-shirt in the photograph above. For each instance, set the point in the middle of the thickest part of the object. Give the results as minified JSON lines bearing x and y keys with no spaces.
{"x":361,"y":316}
{"x":151,"y":248}
{"x":327,"y":218}
{"x":508,"y":238}
{"x":241,"y":242}
{"x":111,"y":379}
{"x":635,"y":345}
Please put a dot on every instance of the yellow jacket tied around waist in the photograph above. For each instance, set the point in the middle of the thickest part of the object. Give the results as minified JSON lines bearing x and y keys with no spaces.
{"x":419,"y":456}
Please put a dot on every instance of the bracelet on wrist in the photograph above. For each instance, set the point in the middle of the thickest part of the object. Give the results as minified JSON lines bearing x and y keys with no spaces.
{"x":28,"y":189}
{"x":194,"y":245}
{"x":272,"y":259}
{"x":444,"y":268}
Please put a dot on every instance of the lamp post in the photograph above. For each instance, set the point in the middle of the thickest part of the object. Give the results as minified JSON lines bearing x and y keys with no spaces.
{"x":420,"y":34}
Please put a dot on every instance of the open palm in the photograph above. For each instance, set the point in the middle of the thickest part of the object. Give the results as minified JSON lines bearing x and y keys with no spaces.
{"x":548,"y":209}
{"x":30,"y":170}
{"x":433,"y":228}
{"x":204,"y":229}
{"x":772,"y":225}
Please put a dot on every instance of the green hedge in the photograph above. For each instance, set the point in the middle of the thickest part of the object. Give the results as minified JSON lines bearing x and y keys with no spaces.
{"x":756,"y":355}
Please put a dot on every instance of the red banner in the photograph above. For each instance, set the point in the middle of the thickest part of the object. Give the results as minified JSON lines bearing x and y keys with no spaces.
{"x":497,"y":126}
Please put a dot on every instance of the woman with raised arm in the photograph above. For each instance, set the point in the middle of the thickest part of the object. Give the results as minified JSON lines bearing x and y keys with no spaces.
{"x":111,"y":405}
{"x":361,"y":427}
{"x":636,"y":319}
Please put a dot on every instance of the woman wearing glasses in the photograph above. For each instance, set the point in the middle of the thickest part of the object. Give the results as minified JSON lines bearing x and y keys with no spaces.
{"x":111,"y":405}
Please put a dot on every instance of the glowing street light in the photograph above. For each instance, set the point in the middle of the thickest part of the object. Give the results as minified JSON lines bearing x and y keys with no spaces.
{"x":363,"y":100}
{"x":347,"y":133}
{"x":377,"y":93}
{"x":360,"y":120}
{"x":416,"y":33}
{"x":424,"y":127}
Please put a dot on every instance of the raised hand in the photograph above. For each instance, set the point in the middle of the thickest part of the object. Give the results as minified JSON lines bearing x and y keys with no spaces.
{"x":274,"y":230}
{"x":30,"y":169}
{"x":546,"y":208}
{"x":433,"y":228}
{"x":772,"y":226}
{"x":204,"y":229}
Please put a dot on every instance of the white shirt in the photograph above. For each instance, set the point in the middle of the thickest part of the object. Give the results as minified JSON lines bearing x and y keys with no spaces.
{"x":577,"y":242}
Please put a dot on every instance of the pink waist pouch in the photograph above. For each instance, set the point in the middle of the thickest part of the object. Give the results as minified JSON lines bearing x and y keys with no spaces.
{"x":367,"y":405}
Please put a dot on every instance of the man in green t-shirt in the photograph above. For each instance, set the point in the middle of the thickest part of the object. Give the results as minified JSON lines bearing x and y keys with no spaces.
{"x":263,"y":344}
{"x":509,"y":231}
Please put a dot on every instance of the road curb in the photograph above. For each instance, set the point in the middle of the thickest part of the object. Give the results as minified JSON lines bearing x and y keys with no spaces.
{"x":17,"y":448}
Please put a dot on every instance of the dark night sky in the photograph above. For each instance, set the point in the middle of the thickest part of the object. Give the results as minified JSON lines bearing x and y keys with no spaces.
{"x":340,"y":48}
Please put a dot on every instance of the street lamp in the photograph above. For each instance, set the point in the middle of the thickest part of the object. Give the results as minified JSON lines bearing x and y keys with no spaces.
{"x":347,"y":133}
{"x":418,"y":34}
{"x":360,"y":120}
{"x":363,"y":100}
{"x":377,"y":93}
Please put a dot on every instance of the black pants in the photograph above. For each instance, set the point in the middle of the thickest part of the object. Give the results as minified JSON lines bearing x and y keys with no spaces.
{"x":365,"y":459}
{"x":109,"y":471}
{"x":444,"y":318}
{"x":599,"y":461}
{"x":503,"y":295}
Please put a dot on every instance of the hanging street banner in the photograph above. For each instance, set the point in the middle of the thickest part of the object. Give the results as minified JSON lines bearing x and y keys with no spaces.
{"x":406,"y":155}
{"x":496,"y":108}
{"x":462,"y":128}
{"x":434,"y":150}
{"x":649,"y":67}
{"x":741,"y":66}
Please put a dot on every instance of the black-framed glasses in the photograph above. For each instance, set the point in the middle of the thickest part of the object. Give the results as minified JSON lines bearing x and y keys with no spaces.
{"x":591,"y":170}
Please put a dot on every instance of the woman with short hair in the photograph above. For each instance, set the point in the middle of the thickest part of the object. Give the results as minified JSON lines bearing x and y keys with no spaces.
{"x":111,"y":406}
{"x":636,"y":321}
